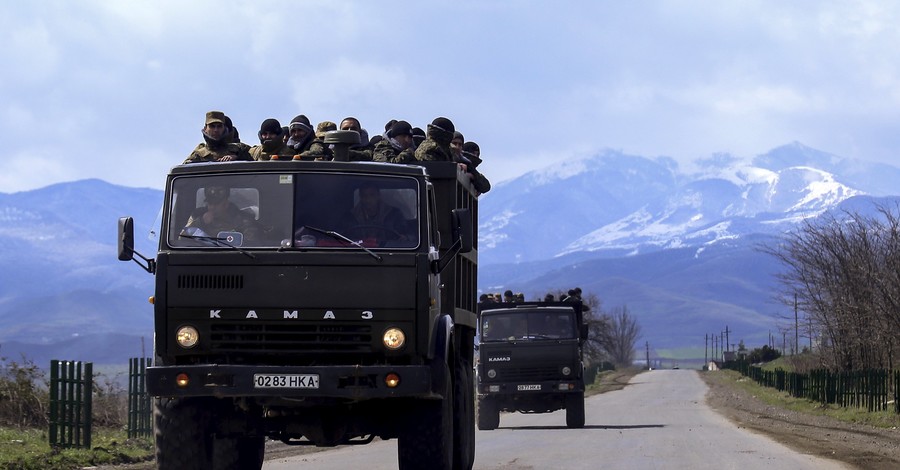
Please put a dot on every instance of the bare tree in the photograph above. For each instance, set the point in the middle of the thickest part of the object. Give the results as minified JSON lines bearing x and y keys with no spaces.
{"x":843,"y":273}
{"x":616,"y":334}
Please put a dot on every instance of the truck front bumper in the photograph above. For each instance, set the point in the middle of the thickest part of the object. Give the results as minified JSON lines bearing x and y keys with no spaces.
{"x":350,"y":382}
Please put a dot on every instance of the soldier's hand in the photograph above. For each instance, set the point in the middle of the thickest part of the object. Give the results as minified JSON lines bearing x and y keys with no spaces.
{"x":228,"y":158}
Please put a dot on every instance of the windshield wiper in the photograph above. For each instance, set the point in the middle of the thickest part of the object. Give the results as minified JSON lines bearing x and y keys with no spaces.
{"x":221,"y":242}
{"x":338,"y":236}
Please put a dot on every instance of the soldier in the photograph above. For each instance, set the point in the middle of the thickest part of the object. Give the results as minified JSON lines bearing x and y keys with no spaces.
{"x":217,"y":145}
{"x":363,"y":151}
{"x":472,"y":153}
{"x":418,"y":136}
{"x":436,"y":146}
{"x":318,"y":150}
{"x":271,"y":142}
{"x":221,"y":215}
{"x":397,"y":146}
{"x":301,"y":134}
{"x":456,"y":145}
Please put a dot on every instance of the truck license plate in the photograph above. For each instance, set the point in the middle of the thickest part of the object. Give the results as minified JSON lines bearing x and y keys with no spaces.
{"x":285,"y":381}
{"x":529,"y":387}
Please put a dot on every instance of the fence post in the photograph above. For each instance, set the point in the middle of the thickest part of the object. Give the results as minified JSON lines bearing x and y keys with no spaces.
{"x":70,"y":403}
{"x":139,"y":410}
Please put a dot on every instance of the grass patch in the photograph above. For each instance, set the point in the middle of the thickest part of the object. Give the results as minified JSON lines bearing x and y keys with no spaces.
{"x":610,"y":380}
{"x":29,"y":449}
{"x":771,"y":396}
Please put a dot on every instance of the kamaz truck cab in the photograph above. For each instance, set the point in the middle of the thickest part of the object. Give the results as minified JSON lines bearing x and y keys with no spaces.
{"x":304,"y":312}
{"x":531,"y":360}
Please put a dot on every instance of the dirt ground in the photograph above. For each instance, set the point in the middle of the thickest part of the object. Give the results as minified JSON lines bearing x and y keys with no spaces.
{"x":860,"y":446}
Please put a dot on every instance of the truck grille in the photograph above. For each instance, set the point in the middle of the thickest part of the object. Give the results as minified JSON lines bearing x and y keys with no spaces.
{"x":281,"y":338}
{"x":211,"y":281}
{"x":528,"y":373}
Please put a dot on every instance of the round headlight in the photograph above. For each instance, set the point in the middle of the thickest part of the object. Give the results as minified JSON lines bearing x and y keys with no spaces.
{"x":492,"y":373}
{"x":394,"y":338}
{"x":187,"y":336}
{"x":566,"y":370}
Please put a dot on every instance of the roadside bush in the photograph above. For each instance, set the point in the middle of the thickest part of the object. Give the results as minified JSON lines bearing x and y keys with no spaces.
{"x":24,"y":394}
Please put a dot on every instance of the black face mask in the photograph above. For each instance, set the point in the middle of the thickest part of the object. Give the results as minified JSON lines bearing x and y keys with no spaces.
{"x":216,"y":143}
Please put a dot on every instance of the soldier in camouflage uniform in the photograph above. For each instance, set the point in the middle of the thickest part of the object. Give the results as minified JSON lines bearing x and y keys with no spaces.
{"x":271,"y":142}
{"x":217,"y":145}
{"x":301,"y":135}
{"x":471,"y":153}
{"x":436,"y":146}
{"x":318,"y":149}
{"x":397,"y":147}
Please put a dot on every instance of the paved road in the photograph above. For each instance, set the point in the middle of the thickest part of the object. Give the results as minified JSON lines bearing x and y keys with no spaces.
{"x":660,"y":421}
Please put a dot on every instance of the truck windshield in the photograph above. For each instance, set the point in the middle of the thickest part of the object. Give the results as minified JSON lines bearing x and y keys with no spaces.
{"x":519,"y":325}
{"x":296,"y":210}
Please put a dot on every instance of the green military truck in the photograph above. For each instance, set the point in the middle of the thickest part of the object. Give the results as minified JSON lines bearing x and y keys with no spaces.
{"x":531,"y":360}
{"x":289,"y":306}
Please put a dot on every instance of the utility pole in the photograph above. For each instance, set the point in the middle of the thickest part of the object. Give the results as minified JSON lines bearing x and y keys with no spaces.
{"x":796,"y":327}
{"x":727,"y":341}
{"x":648,"y":355}
{"x":706,"y":349}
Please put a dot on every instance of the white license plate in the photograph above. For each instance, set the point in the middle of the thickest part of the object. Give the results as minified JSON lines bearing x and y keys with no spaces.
{"x":285,"y":381}
{"x":529,"y":387}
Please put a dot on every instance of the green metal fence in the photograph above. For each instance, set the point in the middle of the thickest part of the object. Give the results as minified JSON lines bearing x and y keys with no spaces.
{"x":71,"y":387}
{"x":872,"y":389}
{"x":139,"y":410}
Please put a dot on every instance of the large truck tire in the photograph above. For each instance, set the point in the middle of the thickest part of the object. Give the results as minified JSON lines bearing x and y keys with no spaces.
{"x":239,"y":453}
{"x":575,"y":410}
{"x":427,"y":440}
{"x":183,"y":437}
{"x":463,"y":412}
{"x":488,"y":415}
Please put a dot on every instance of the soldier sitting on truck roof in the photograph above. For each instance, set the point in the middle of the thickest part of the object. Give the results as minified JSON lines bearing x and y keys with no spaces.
{"x":271,"y":142}
{"x":221,"y":215}
{"x":397,"y":147}
{"x":217,"y":145}
{"x":318,"y":149}
{"x":301,"y":134}
{"x":361,"y":152}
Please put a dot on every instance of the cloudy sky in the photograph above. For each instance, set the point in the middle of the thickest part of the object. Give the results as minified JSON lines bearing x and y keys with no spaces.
{"x":117,"y":90}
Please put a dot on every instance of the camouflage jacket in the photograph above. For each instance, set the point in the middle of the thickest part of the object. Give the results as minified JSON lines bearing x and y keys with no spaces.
{"x":270,"y":149}
{"x":385,"y":151}
{"x":205,"y":153}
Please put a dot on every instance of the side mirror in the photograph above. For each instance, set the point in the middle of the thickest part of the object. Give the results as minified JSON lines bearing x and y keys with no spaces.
{"x":583,"y":331}
{"x":462,"y":229}
{"x":126,"y":239}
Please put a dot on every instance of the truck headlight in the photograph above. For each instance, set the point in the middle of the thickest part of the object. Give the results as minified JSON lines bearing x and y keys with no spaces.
{"x":394,"y":338}
{"x":187,"y":336}
{"x":566,"y":370}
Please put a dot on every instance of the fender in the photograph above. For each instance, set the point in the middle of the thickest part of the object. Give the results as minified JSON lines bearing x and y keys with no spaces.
{"x":440,"y":352}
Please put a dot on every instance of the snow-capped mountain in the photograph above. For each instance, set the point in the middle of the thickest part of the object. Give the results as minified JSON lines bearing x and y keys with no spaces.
{"x":616,"y":204}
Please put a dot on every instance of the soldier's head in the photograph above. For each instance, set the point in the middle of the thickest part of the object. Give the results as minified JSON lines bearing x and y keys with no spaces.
{"x":472,"y":147}
{"x":216,"y":196}
{"x":456,"y":143}
{"x":300,"y":128}
{"x":369,"y":197}
{"x":215,"y":126}
{"x":418,"y":136}
{"x":401,"y":132}
{"x":269,"y":130}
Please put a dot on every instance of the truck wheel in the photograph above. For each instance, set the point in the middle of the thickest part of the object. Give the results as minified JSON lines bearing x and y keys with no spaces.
{"x":183,"y":440}
{"x":239,"y":453}
{"x":488,"y":415}
{"x":575,"y":410}
{"x":463,"y":415}
{"x":427,"y":440}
